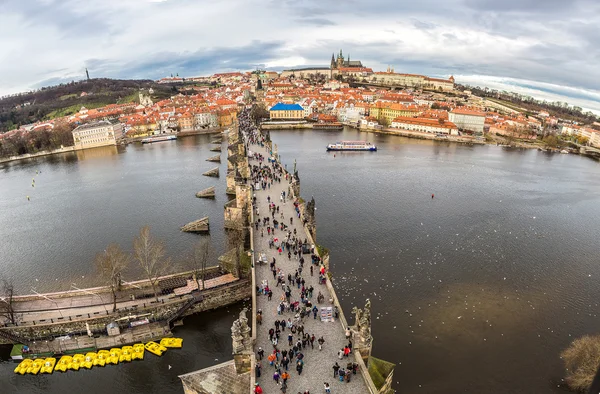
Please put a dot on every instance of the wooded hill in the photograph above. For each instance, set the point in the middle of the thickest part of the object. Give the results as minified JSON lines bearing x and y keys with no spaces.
{"x":67,"y":99}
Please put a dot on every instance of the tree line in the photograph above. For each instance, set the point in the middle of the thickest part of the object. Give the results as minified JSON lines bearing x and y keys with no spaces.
{"x":36,"y":141}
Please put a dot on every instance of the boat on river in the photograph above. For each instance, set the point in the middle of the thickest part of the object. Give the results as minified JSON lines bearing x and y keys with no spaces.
{"x":161,"y":138}
{"x":352,"y":145}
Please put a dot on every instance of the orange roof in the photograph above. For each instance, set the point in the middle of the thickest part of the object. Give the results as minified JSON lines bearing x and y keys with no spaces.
{"x":425,"y":122}
{"x":463,"y":111}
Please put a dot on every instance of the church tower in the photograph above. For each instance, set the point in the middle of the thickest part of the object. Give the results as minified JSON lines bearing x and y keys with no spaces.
{"x":332,"y":66}
{"x":340,"y":60}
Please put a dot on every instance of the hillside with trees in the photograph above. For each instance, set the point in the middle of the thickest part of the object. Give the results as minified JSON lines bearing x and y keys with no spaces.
{"x":529,"y":104}
{"x":66,"y":99}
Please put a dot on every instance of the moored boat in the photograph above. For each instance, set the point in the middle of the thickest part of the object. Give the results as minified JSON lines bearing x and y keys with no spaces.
{"x":160,"y":138}
{"x":101,"y":358}
{"x":126,"y":354}
{"x":138,"y":351}
{"x":63,"y":363}
{"x":113,"y":357}
{"x":89,"y":360}
{"x":155,"y":348}
{"x":23,"y":366}
{"x":352,"y":146}
{"x":75,"y":363}
{"x":38,"y":363}
{"x":172,"y":342}
{"x":48,"y":366}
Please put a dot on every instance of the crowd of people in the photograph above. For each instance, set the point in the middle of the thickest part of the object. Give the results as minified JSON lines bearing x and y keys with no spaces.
{"x":296,"y":298}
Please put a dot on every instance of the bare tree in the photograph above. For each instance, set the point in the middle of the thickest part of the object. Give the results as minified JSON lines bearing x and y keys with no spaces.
{"x":111,"y":263}
{"x":6,"y":300}
{"x":581,"y":360}
{"x":150,"y":255}
{"x":200,"y":257}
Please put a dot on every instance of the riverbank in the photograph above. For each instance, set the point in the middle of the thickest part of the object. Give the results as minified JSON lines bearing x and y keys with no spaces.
{"x":39,"y":154}
{"x":46,"y":316}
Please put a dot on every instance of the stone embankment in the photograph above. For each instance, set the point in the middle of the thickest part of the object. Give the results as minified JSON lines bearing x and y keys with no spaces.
{"x":38,"y":154}
{"x":45,"y":316}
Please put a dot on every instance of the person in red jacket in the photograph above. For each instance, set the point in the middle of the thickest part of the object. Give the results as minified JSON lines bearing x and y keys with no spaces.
{"x":257,"y":389}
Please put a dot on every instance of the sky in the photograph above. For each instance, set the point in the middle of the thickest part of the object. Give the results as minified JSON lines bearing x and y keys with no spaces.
{"x":548,"y":49}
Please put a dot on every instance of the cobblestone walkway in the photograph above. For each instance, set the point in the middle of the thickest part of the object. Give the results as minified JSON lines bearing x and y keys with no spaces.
{"x":317,"y":364}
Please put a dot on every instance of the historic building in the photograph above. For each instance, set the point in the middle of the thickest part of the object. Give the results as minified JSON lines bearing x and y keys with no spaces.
{"x":339,"y":65}
{"x":386,"y":112}
{"x":340,"y":62}
{"x":424,"y":125}
{"x":96,"y":134}
{"x":286,"y":111}
{"x":467,"y":119}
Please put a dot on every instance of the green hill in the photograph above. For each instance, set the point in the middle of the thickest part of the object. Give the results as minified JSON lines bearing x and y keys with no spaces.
{"x":67,"y":99}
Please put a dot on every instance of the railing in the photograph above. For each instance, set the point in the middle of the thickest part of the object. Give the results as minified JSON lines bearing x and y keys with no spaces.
{"x":177,"y":314}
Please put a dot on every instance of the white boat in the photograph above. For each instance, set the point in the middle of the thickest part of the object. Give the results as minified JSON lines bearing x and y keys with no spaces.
{"x":161,"y":138}
{"x":352,"y":145}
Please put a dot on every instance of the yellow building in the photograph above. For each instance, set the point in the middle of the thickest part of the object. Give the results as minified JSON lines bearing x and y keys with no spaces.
{"x":286,"y":111}
{"x":387,"y":112}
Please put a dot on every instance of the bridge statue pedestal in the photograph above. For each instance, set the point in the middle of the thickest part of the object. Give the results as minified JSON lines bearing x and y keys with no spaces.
{"x":242,"y":343}
{"x":363,"y":340}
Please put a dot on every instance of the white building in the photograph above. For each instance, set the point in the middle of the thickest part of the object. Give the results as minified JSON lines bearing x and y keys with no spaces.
{"x":570,"y":129}
{"x":309,"y":106}
{"x":595,"y":139}
{"x":424,"y":125}
{"x":351,"y":114}
{"x":206,"y":118}
{"x":466,"y":119}
{"x":96,"y":134}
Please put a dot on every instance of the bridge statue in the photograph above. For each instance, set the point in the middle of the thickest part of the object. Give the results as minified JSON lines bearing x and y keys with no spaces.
{"x":240,"y":334}
{"x":363,"y":322}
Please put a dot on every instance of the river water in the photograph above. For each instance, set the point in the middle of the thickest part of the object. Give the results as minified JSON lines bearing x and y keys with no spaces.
{"x":476,"y":290}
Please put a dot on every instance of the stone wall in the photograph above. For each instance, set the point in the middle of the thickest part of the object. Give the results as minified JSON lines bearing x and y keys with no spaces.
{"x":222,"y":296}
{"x":213,"y":298}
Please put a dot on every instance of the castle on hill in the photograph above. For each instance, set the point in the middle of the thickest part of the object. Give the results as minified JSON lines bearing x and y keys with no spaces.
{"x":340,"y":62}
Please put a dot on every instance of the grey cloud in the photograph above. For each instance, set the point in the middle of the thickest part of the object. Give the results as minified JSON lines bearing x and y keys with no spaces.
{"x":535,"y":6}
{"x":200,"y":62}
{"x":68,"y":17}
{"x":423,"y":25}
{"x":317,"y":21}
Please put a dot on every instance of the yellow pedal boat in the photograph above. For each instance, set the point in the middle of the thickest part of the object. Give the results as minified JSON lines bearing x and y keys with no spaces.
{"x":138,"y":351}
{"x":75,"y":363}
{"x":48,"y":366}
{"x":63,"y":364}
{"x":38,"y":363}
{"x":88,"y":362}
{"x":113,"y":357}
{"x":172,"y":342}
{"x":126,"y":352}
{"x":101,"y":358}
{"x":23,"y":365}
{"x":155,"y":348}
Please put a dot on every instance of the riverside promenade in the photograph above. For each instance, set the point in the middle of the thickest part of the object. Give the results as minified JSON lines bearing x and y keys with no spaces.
{"x":317,"y":368}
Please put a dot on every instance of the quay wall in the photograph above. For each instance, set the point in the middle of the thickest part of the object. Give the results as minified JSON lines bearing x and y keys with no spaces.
{"x":213,"y":298}
{"x":39,"y":154}
{"x":222,"y":296}
{"x":129,"y":286}
{"x":286,"y":126}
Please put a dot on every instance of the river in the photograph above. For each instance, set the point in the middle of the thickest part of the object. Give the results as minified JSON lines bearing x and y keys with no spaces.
{"x":476,"y":290}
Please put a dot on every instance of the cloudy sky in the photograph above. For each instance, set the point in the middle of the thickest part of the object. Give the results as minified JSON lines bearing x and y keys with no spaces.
{"x":547,"y":48}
